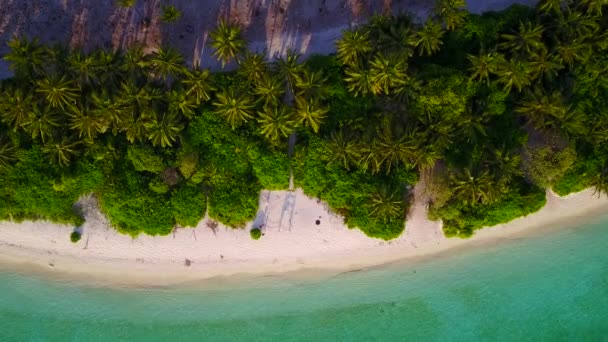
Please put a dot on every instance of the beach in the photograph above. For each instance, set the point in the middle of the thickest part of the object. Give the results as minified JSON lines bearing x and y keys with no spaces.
{"x":292,"y":241}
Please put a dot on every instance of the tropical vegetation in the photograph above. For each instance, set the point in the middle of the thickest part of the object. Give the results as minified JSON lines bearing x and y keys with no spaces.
{"x":490,"y":110}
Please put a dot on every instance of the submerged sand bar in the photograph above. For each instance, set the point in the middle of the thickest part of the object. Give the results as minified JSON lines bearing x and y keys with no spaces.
{"x":292,"y":242}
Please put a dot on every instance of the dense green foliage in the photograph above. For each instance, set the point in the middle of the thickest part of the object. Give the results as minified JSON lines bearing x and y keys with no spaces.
{"x":75,"y":237}
{"x":489,"y":110}
{"x":255,"y":233}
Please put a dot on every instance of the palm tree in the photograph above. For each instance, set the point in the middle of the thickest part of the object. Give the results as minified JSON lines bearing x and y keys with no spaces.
{"x":269,"y":89}
{"x":182,"y":104}
{"x":111,"y":111}
{"x":428,"y":39}
{"x":426,"y":158}
{"x":385,"y":205}
{"x":598,"y":132}
{"x":164,"y":131}
{"x":134,"y":63}
{"x":407,"y":90}
{"x":309,"y":113}
{"x":27,"y":58}
{"x":126,"y":3}
{"x":198,"y":85}
{"x":235,"y":108}
{"x":252,"y":66}
{"x":288,"y":68}
{"x":393,"y":36}
{"x":600,"y":181}
{"x":58,"y":92}
{"x":514,"y":73}
{"x":228,"y":42}
{"x":83,"y":67}
{"x":553,"y":113}
{"x":134,"y":96}
{"x":353,"y":46}
{"x":108,"y":66}
{"x":170,"y":14}
{"x":545,"y":65}
{"x":358,"y":81}
{"x":86,"y":124}
{"x":343,"y":149}
{"x":548,"y":6}
{"x":526,"y":41}
{"x":276,"y":122}
{"x":573,"y":123}
{"x":473,"y":187}
{"x":395,"y":150}
{"x":167,"y":63}
{"x":135,"y":127}
{"x":593,"y":7}
{"x":473,"y":127}
{"x":16,"y":108}
{"x":61,"y":152}
{"x":385,"y":74}
{"x":311,"y":84}
{"x":482,"y":66}
{"x":371,"y":156}
{"x":43,"y":123}
{"x":575,"y":25}
{"x":505,"y":163}
{"x":7,"y":153}
{"x":451,"y":11}
{"x":538,"y":108}
{"x":575,"y":51}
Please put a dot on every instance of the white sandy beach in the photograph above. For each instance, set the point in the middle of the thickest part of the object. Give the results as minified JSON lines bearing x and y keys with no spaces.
{"x":292,"y":242}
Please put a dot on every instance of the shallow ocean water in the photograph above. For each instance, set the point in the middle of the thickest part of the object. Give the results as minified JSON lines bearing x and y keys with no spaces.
{"x":549,"y":287}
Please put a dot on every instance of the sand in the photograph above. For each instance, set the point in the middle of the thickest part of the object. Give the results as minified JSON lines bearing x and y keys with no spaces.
{"x":292,"y":241}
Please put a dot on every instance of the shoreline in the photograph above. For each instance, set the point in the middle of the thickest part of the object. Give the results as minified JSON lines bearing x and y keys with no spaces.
{"x":106,"y":258}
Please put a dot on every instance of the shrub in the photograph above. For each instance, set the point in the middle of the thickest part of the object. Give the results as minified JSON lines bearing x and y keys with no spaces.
{"x":158,"y":186}
{"x":255,"y":233}
{"x":144,"y":159}
{"x":188,"y":164}
{"x":189,"y":205}
{"x":547,"y":165}
{"x":133,"y":208}
{"x":271,"y":169}
{"x":75,"y":236}
{"x":35,"y":189}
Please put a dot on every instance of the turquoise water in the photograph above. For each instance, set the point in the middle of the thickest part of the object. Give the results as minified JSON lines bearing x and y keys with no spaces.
{"x":553,"y":287}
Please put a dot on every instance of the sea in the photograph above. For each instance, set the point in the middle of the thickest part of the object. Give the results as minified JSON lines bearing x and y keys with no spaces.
{"x":547,"y":287}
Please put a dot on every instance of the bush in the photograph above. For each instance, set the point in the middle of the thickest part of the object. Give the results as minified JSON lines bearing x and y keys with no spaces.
{"x":189,"y":205}
{"x":143,"y":158}
{"x":255,"y":233}
{"x":158,"y":186}
{"x":188,"y":164}
{"x":75,"y":236}
{"x":271,"y":169}
{"x":133,"y":208}
{"x":462,"y":220}
{"x":234,"y":203}
{"x":577,"y":178}
{"x":547,"y":165}
{"x":35,"y":189}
